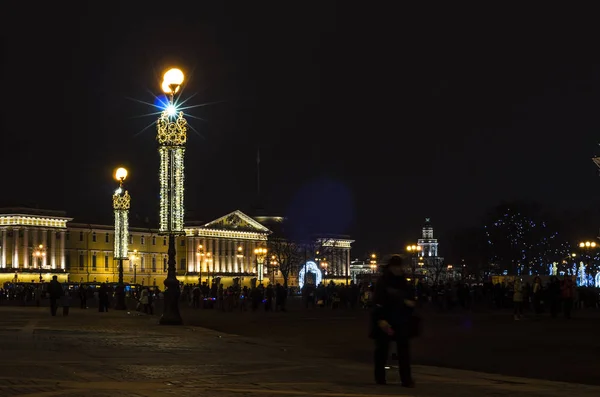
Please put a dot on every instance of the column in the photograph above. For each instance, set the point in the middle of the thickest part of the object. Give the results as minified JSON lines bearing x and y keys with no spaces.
{"x":195,"y":257}
{"x":253,"y":257}
{"x":25,"y":248}
{"x":347,"y":262}
{"x":15,"y":261}
{"x":230,"y":256}
{"x":44,"y":242}
{"x":3,"y":250}
{"x":209,"y":249}
{"x":53,"y":248}
{"x":34,"y":243}
{"x":236,"y":260}
{"x":189,"y":257}
{"x":203,"y":258}
{"x":62,"y":249}
{"x":217,"y":259}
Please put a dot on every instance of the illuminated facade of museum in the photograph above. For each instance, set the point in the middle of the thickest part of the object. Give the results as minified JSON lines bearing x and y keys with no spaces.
{"x":39,"y":243}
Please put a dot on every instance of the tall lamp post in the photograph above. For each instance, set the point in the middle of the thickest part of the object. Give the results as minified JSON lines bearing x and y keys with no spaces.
{"x":587,"y":246}
{"x":133,"y":257}
{"x":171,"y":136}
{"x":414,"y":250}
{"x":39,"y":253}
{"x":121,"y":204}
{"x":261,"y":254}
{"x":373,"y":263}
{"x":240,"y":257}
{"x":200,"y":255}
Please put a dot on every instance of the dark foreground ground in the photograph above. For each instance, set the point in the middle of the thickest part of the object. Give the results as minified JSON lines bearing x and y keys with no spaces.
{"x":299,"y":353}
{"x":552,"y":349}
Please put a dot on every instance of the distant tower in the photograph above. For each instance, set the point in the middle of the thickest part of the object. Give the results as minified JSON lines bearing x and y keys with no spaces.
{"x":427,"y":242}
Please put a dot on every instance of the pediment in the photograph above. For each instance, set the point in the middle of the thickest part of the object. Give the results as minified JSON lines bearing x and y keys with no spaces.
{"x":237,"y":220}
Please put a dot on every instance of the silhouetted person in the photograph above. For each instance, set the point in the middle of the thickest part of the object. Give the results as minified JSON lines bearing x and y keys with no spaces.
{"x":391,"y":320}
{"x":103,"y":298}
{"x":55,"y":291}
{"x":82,"y":296}
{"x":567,"y":293}
{"x":554,"y":295}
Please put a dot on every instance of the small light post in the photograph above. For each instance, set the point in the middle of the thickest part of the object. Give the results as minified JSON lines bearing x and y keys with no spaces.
{"x":200,"y":260}
{"x":39,"y":254}
{"x":261,"y":254}
{"x":414,"y":250}
{"x":373,"y":263}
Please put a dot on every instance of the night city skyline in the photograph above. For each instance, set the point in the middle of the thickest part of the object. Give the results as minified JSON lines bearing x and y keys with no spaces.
{"x":364,"y":128}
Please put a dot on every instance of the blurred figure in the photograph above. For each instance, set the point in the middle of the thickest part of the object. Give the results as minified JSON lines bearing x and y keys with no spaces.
{"x":518,"y":298}
{"x":391,"y":321}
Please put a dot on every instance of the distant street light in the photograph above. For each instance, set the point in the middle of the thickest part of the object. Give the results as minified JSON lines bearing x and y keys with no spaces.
{"x":586,"y":246}
{"x":414,"y":250}
{"x":40,"y":253}
{"x":200,"y":254}
{"x":373,"y":263}
{"x":261,"y":254}
{"x":132,"y":258}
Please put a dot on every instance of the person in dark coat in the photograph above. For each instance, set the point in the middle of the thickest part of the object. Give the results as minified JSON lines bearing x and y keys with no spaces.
{"x":103,"y":298}
{"x":55,"y":291}
{"x":391,"y":320}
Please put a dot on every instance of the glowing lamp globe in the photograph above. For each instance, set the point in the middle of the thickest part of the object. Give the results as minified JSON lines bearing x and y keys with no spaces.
{"x":120,"y":174}
{"x":172,"y":79}
{"x":171,"y":110}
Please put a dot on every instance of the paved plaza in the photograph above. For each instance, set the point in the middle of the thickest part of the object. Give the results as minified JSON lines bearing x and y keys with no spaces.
{"x":123,"y":353}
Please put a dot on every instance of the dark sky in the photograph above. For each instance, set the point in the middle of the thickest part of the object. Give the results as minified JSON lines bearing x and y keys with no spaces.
{"x":369,"y":119}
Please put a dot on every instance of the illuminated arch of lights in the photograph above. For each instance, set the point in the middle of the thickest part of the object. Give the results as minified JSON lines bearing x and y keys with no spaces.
{"x":310,"y":267}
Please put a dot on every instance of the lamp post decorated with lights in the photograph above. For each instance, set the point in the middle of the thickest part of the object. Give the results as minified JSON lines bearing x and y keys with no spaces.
{"x":121,"y":204}
{"x":171,"y":136}
{"x":261,"y":254}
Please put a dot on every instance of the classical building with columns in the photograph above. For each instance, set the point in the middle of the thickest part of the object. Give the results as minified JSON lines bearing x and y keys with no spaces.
{"x":25,"y":230}
{"x":80,"y":252}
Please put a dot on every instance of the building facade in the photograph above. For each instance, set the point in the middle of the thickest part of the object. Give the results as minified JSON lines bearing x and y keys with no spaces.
{"x":429,"y":264}
{"x":78,"y":252}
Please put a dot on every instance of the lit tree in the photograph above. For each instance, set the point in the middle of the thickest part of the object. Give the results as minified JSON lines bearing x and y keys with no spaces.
{"x":519,"y":240}
{"x":287,"y":257}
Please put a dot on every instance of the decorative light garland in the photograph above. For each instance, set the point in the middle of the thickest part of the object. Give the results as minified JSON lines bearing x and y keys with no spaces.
{"x":121,"y":204}
{"x":171,"y":137}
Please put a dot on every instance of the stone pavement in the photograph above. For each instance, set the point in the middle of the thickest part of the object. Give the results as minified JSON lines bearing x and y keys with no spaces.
{"x":95,"y":354}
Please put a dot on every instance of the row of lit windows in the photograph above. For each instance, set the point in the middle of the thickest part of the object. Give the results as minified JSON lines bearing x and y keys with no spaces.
{"x":81,"y":264}
{"x":107,"y":238}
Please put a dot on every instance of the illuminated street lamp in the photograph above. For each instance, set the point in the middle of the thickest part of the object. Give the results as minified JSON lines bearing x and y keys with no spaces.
{"x":39,"y":253}
{"x":414,"y":250}
{"x":587,"y":246}
{"x":240,"y":257}
{"x":273,"y":264}
{"x":121,"y":203}
{"x":324,"y":266}
{"x":171,"y":137}
{"x":373,"y":263}
{"x":261,"y":254}
{"x":132,"y":258}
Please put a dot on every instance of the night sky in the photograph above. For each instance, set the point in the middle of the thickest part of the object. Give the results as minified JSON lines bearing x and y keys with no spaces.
{"x":368,"y":119}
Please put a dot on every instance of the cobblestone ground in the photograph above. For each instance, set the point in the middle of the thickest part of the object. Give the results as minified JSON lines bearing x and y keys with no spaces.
{"x":126,"y":354}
